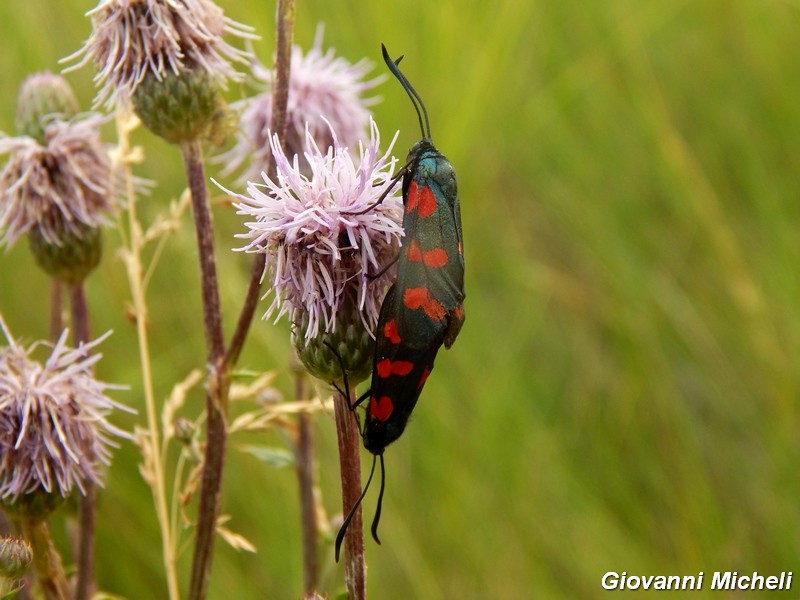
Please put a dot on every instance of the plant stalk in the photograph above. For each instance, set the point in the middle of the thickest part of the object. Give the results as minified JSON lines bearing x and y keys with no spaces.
{"x":284,"y":26}
{"x":135,"y":274}
{"x":46,"y":560}
{"x":306,"y":483}
{"x":56,"y":299}
{"x":349,"y":437}
{"x":217,"y":382}
{"x":85,"y":586}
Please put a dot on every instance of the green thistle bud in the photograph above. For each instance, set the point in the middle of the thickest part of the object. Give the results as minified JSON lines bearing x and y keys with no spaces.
{"x":35,"y":506}
{"x":72,"y":256}
{"x":182,"y":107}
{"x":41,"y":97}
{"x":351,"y":341}
{"x":16,"y":556}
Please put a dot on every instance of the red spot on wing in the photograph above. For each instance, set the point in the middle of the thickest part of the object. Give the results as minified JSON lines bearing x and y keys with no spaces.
{"x":413,"y":252}
{"x":426,"y":202}
{"x":390,"y":331}
{"x":435,"y":258}
{"x":430,"y":258}
{"x":416,"y":298}
{"x":381,"y":408}
{"x":421,"y":200}
{"x":411,"y":197}
{"x":387,"y":368}
{"x":458,"y":312}
{"x":424,"y":377}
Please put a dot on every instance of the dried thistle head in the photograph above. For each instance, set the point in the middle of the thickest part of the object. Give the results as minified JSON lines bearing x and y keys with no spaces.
{"x":168,"y":59}
{"x":54,"y":430}
{"x":134,"y":39}
{"x":59,"y":192}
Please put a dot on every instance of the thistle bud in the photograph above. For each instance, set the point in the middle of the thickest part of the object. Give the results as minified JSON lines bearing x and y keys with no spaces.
{"x":16,"y":556}
{"x":349,"y":342}
{"x":72,"y":256}
{"x":34,"y":506}
{"x":181,"y":107}
{"x":42,"y":98}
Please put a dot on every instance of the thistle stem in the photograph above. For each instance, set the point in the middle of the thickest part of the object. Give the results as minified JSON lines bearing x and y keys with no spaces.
{"x":283,"y":59}
{"x":56,"y":299}
{"x":284,"y":25}
{"x":248,"y":310}
{"x":46,"y":560}
{"x":306,"y":483}
{"x":86,"y":513}
{"x":217,"y":383}
{"x":349,"y":437}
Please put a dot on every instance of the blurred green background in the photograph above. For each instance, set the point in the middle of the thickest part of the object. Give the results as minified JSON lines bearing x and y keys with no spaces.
{"x":624,"y":394}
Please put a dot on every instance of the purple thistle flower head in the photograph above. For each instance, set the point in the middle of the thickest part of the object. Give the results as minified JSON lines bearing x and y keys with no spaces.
{"x":65,"y":185}
{"x":54,"y":432}
{"x":325,"y":93}
{"x":320,"y":252}
{"x":132,"y":39}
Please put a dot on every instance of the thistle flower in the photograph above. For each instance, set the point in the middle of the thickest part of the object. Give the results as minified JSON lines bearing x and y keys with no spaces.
{"x":134,"y":39}
{"x":327,"y":243}
{"x":54,"y":432}
{"x":323,"y":88}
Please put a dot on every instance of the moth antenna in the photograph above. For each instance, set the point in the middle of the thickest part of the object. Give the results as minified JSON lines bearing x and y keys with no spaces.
{"x":380,"y":501}
{"x":416,"y":100}
{"x":346,"y":523}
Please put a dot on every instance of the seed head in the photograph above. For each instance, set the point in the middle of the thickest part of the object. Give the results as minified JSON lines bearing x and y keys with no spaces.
{"x":134,"y":39}
{"x":54,"y":432}
{"x":62,"y":186}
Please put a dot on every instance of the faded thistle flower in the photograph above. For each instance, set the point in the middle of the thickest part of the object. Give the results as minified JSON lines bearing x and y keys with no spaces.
{"x":327,"y":246}
{"x":54,"y":431}
{"x":166,"y":57}
{"x":57,"y":185}
{"x":323,"y":88}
